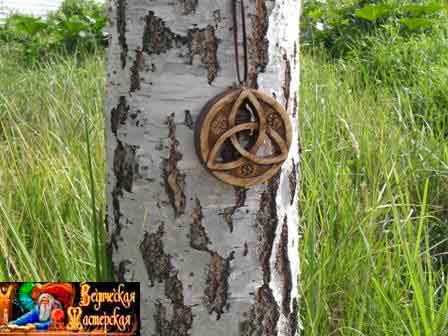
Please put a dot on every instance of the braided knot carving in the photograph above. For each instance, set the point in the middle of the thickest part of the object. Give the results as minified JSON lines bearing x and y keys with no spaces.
{"x":243,"y":137}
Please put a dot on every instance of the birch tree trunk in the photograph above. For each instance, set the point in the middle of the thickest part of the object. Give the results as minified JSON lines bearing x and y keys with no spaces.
{"x":212,"y":259}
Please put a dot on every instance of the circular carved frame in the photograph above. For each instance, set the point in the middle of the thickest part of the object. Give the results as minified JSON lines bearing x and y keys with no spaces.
{"x":267,"y":132}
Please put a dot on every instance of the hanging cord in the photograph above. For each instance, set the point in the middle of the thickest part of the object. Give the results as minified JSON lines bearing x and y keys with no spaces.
{"x":235,"y":38}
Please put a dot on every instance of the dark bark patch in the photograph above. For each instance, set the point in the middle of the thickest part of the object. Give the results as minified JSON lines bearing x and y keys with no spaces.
{"x":157,"y":37}
{"x":266,"y":223}
{"x":294,"y":318}
{"x":106,"y":218}
{"x":182,"y":320}
{"x":296,"y":105}
{"x":217,"y":17}
{"x":187,"y":6}
{"x":116,"y":234}
{"x":283,"y":267}
{"x":189,"y":120}
{"x":217,"y":283}
{"x":121,"y":30}
{"x":159,"y":268}
{"x":119,"y":115}
{"x":292,"y":179}
{"x":263,"y":316}
{"x":161,"y":323}
{"x":179,"y":325}
{"x":295,"y":52}
{"x":122,"y":270}
{"x":136,"y":68}
{"x":204,"y":43}
{"x":174,"y":289}
{"x":198,"y":236}
{"x":258,"y":43}
{"x":125,"y":166}
{"x":157,"y":262}
{"x":173,"y":179}
{"x":287,"y":81}
{"x":182,"y":315}
{"x":240,"y":194}
{"x":246,"y":250}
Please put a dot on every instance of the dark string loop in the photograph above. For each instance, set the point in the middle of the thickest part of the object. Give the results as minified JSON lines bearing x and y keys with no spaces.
{"x":235,"y":38}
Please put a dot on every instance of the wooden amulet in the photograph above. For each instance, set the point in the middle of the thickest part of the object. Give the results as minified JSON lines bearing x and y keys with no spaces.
{"x":243,"y":136}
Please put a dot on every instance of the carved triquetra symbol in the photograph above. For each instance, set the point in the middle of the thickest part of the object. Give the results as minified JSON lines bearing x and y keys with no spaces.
{"x":243,"y":137}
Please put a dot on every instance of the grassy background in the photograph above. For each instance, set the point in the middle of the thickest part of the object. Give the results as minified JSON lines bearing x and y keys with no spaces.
{"x":374,"y":195}
{"x":45,"y":187}
{"x":374,"y":206}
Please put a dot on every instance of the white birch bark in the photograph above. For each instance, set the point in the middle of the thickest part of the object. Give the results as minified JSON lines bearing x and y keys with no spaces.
{"x":212,"y":259}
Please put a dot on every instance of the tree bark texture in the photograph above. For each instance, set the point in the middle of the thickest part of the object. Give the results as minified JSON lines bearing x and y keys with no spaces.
{"x":212,"y":259}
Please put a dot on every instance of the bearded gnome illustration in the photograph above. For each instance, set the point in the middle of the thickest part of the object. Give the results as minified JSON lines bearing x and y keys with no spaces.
{"x":42,"y":304}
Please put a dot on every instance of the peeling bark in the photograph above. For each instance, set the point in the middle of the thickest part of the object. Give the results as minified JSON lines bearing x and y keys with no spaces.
{"x":217,"y":283}
{"x":198,"y":236}
{"x":174,"y":180}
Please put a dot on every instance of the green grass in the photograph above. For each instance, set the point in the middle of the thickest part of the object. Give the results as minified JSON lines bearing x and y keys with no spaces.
{"x":374,"y":209}
{"x":47,"y":223}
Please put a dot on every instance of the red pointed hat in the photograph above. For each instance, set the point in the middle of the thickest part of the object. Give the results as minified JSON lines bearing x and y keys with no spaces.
{"x":62,"y":291}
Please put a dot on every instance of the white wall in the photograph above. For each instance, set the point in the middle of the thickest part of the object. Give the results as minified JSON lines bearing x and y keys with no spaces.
{"x":33,"y":7}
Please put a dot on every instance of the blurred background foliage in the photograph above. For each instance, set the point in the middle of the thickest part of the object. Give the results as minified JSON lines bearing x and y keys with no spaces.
{"x":400,"y":44}
{"x":77,"y":27}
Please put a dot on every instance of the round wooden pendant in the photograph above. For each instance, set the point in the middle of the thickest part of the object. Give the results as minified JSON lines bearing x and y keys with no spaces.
{"x":243,"y":136}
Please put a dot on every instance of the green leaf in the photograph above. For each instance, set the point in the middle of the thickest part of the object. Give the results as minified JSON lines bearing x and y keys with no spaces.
{"x":372,"y":12}
{"x":73,"y":25}
{"x":28,"y":24}
{"x":419,"y":10}
{"x":414,"y":24}
{"x":316,"y":14}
